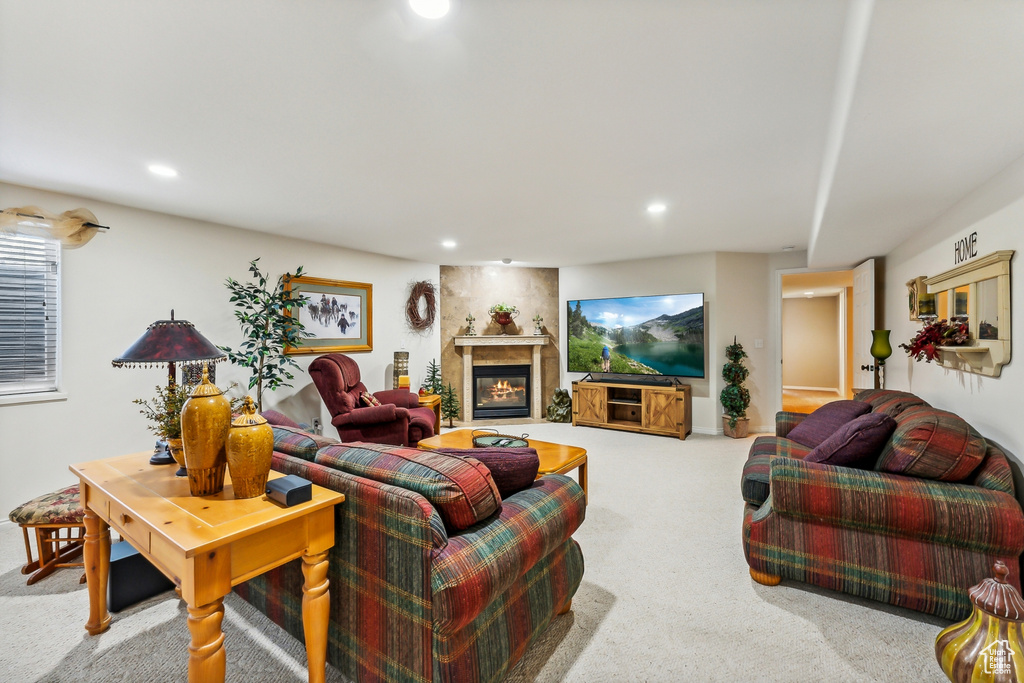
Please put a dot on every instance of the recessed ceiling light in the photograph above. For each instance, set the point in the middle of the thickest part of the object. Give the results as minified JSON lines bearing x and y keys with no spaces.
{"x":430,"y":9}
{"x":656,"y":208}
{"x":788,"y":248}
{"x":163,"y":171}
{"x":448,"y":244}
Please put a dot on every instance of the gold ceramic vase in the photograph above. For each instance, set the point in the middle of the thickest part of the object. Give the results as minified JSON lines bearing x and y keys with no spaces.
{"x":250,"y":448}
{"x":178,"y":453}
{"x":989,"y":644}
{"x":205,"y":420}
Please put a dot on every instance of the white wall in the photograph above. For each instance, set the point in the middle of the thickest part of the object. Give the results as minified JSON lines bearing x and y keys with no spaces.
{"x":992,"y":405}
{"x":147,"y":264}
{"x":739,"y":299}
{"x":811,"y":348}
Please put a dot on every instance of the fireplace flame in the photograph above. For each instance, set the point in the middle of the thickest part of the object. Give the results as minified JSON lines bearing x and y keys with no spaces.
{"x":503,"y":391}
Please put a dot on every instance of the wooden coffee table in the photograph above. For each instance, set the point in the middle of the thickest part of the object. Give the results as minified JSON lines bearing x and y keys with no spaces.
{"x":555,"y":458}
{"x":205,"y":546}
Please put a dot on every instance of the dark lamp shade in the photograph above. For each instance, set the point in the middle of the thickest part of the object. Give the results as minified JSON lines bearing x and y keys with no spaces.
{"x":170,"y":341}
{"x":880,"y":347}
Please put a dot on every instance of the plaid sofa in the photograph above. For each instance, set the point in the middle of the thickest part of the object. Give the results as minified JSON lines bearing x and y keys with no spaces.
{"x":915,"y":542}
{"x":414,"y":600}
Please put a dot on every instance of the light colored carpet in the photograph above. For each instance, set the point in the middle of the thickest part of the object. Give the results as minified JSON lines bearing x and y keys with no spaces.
{"x":665,"y":597}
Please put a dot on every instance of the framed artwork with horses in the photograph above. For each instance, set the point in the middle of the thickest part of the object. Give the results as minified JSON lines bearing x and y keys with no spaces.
{"x":339,"y":315}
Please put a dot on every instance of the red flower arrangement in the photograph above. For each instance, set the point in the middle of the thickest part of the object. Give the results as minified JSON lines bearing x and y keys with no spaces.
{"x":940,"y":333}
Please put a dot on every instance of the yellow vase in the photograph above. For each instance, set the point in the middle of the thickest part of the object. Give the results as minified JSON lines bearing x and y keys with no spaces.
{"x":205,"y":420}
{"x":250,"y":448}
{"x":989,"y":644}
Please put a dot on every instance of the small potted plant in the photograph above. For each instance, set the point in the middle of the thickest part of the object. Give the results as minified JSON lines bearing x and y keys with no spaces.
{"x":734,"y":397}
{"x":164,"y":413}
{"x":503,"y":314}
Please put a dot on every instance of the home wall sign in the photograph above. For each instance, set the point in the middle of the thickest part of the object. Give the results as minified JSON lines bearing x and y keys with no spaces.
{"x":965,"y":249}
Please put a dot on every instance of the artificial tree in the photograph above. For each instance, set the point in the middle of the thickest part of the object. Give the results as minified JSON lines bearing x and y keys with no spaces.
{"x":433,"y":384}
{"x":269,"y":326}
{"x":449,"y":404}
{"x":734,"y":397}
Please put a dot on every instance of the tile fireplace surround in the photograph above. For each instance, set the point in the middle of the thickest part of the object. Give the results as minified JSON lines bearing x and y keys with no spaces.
{"x":467,"y":344}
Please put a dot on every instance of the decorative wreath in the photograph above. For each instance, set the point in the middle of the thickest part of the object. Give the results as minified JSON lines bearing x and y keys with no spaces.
{"x":421,"y":290}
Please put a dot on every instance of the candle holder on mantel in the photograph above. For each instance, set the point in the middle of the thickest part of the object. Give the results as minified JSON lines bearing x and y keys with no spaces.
{"x":537,"y":320}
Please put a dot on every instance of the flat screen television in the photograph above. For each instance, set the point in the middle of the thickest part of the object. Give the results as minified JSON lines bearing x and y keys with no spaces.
{"x":643,"y":335}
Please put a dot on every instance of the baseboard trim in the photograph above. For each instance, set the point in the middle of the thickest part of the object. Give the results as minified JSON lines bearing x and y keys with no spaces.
{"x":754,"y":429}
{"x":834,"y":390}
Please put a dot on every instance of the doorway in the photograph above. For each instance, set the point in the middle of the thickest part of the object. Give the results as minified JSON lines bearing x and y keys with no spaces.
{"x":817,"y":339}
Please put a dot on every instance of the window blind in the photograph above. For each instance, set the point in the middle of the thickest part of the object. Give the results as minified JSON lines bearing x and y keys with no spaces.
{"x":29,"y":314}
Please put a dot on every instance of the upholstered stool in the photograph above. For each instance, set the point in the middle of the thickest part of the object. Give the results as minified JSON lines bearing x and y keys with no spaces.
{"x":60,"y":532}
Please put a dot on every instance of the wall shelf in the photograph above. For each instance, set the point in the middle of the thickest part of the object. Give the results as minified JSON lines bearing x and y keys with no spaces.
{"x":986,"y":357}
{"x":980,"y":292}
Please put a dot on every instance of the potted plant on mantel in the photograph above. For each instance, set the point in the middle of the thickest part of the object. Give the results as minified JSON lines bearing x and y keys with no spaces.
{"x":734,"y":397}
{"x":503,"y":315}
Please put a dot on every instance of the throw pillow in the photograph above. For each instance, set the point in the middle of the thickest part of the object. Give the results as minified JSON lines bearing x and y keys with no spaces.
{"x":932,"y":444}
{"x":824,"y":421}
{"x":887,"y":401}
{"x":369,"y":399}
{"x":857,"y":443}
{"x":294,"y":441}
{"x":460,"y":489}
{"x":275,"y":418}
{"x":513,"y":469}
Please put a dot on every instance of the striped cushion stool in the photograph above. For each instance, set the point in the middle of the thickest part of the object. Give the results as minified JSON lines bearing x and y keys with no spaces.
{"x":60,"y":532}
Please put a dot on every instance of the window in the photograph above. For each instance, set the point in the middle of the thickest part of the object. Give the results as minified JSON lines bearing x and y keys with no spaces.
{"x":29,"y":315}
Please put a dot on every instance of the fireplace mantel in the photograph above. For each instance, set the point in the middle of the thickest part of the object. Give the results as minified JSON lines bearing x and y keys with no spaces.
{"x":503,"y":340}
{"x":535,"y":340}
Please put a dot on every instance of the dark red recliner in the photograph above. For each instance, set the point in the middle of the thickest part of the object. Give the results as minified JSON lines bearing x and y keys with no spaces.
{"x":399,"y":420}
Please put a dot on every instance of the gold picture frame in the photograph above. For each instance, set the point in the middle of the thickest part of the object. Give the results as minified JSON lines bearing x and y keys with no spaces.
{"x":339,"y":315}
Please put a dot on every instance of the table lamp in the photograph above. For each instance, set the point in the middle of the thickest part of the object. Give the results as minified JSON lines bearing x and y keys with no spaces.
{"x":170,"y":341}
{"x":880,"y":350}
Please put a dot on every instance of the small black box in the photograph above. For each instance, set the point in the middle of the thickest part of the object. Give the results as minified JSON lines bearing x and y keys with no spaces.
{"x":132,"y":578}
{"x":289,"y":490}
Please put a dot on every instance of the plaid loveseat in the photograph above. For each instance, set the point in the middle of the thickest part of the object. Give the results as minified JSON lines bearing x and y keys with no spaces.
{"x":413,"y":599}
{"x":916,"y":542}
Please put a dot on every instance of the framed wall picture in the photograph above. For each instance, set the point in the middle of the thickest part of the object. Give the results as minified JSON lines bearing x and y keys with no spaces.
{"x":339,"y":315}
{"x":921,"y":303}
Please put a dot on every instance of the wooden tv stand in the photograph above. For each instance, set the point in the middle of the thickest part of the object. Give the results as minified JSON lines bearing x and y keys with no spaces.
{"x":665,"y":410}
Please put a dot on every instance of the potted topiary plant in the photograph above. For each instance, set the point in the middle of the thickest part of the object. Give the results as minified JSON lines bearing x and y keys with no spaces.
{"x":734,"y":397}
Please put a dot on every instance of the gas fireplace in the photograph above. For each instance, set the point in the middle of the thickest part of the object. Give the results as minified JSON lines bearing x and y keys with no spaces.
{"x":501,"y":391}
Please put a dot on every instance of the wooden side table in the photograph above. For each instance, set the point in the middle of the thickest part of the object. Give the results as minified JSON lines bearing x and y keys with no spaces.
{"x":433,"y":401}
{"x":205,"y":545}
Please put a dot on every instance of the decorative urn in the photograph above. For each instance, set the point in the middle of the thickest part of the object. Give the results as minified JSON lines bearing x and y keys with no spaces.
{"x":503,"y":315}
{"x":205,"y":420}
{"x":250,"y":448}
{"x":988,"y":645}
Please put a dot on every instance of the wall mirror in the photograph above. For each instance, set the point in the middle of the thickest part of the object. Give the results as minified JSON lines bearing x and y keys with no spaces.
{"x":977,"y":293}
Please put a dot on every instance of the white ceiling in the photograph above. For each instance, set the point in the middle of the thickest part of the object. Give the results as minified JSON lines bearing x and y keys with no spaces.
{"x":536,"y":130}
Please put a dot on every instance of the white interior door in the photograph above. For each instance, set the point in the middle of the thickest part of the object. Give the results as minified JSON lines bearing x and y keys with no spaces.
{"x":863,"y":323}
